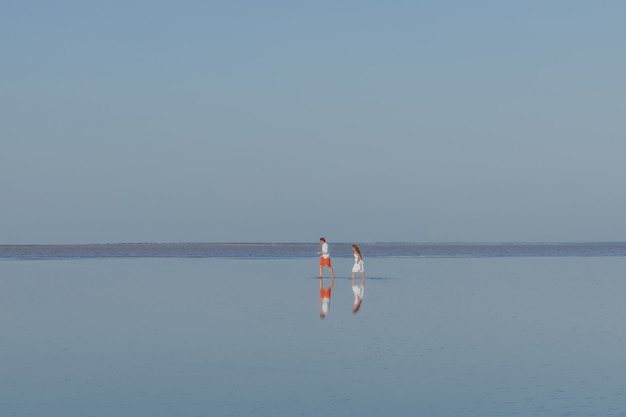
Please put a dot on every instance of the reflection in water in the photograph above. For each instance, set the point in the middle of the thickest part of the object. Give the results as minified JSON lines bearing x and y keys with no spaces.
{"x":358,"y":296}
{"x":546,"y":339}
{"x":325,"y":296}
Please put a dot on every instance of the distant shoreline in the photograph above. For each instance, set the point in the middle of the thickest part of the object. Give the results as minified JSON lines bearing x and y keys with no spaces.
{"x":592,"y":242}
{"x":309,"y":250}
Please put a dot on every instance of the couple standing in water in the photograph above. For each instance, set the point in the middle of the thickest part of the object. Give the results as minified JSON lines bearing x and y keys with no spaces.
{"x":356,"y":289}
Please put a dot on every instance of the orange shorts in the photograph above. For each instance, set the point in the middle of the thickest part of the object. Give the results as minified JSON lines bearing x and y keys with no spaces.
{"x":325,"y":262}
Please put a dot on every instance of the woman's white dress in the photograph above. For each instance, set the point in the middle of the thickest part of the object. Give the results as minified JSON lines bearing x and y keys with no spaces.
{"x":358,"y":264}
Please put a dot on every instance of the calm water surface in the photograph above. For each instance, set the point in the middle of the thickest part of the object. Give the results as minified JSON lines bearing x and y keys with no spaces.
{"x":208,"y":336}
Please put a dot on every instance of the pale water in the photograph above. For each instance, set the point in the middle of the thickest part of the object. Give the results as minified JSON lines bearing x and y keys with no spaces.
{"x":240,"y":335}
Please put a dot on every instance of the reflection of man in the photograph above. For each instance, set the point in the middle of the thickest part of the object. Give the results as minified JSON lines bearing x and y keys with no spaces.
{"x":325,"y":258}
{"x":325,"y":296}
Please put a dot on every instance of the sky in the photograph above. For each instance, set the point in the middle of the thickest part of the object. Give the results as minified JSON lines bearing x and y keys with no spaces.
{"x":284,"y":121}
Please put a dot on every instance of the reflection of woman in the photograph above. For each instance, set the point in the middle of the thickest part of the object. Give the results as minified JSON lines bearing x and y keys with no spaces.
{"x":325,"y":296}
{"x":356,"y":289}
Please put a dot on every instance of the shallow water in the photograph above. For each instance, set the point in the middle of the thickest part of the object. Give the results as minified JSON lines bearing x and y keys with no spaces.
{"x":242,"y":337}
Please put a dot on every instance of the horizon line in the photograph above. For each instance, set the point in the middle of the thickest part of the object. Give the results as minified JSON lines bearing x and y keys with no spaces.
{"x":456,"y":242}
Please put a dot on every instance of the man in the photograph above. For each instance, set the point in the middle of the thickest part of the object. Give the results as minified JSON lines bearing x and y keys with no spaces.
{"x":325,"y":258}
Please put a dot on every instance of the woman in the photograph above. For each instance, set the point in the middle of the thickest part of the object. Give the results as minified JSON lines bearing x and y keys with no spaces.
{"x":356,"y":289}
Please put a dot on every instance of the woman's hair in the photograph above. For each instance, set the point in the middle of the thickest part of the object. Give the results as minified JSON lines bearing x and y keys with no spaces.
{"x":356,"y":248}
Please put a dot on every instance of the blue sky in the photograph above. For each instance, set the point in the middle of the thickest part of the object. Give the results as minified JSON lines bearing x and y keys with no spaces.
{"x":284,"y":121}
